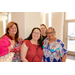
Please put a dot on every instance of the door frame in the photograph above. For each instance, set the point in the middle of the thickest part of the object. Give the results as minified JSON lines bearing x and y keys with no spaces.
{"x":65,"y":32}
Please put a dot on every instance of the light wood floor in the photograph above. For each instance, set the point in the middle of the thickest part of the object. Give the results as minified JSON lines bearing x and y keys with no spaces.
{"x":70,"y":58}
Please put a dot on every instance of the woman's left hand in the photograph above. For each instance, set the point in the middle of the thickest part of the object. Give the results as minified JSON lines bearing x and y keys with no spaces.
{"x":20,"y":40}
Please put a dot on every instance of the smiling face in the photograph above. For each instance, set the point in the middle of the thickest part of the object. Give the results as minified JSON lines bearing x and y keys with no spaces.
{"x":50,"y":34}
{"x":43,"y":29}
{"x":36,"y":34}
{"x":12,"y":30}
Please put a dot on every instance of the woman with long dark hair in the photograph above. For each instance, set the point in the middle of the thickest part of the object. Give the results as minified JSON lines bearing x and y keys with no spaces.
{"x":31,"y":49}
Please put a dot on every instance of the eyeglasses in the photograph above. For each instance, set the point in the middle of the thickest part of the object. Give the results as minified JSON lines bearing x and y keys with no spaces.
{"x":36,"y":33}
{"x":50,"y":32}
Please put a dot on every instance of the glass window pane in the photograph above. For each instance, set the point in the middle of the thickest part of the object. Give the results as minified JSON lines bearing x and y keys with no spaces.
{"x":70,"y":15}
{"x":71,"y":37}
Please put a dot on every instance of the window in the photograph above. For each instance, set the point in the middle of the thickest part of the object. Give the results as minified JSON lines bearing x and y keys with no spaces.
{"x":69,"y":32}
{"x":70,"y":15}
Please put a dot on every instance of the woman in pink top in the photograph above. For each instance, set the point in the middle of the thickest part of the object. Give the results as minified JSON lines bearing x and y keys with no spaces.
{"x":10,"y":41}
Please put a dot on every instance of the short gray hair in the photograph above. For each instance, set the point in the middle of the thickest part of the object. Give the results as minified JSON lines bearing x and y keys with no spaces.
{"x":52,"y":29}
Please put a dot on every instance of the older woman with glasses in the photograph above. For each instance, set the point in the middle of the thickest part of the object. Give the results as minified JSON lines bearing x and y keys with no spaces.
{"x":53,"y":48}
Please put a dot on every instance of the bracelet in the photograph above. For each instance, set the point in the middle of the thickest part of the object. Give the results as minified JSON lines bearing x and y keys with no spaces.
{"x":11,"y":46}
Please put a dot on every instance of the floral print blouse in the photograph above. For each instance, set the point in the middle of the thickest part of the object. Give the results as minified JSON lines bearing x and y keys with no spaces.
{"x":54,"y":51}
{"x":16,"y":50}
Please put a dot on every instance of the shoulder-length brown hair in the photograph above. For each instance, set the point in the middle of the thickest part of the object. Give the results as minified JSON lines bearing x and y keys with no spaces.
{"x":44,"y":25}
{"x":10,"y":24}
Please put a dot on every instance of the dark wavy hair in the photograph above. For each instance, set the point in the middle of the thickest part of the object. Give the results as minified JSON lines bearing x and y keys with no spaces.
{"x":39,"y":40}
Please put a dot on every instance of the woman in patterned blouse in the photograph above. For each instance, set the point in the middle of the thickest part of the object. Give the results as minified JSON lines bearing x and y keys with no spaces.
{"x":53,"y":48}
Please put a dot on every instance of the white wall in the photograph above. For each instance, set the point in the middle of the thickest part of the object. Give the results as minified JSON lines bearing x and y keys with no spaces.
{"x":3,"y":22}
{"x":1,"y":28}
{"x":56,"y":20}
{"x":26,"y":21}
{"x":32,"y":19}
{"x":42,"y":17}
{"x":3,"y":17}
{"x":19,"y":17}
{"x":46,"y":18}
{"x":57,"y":23}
